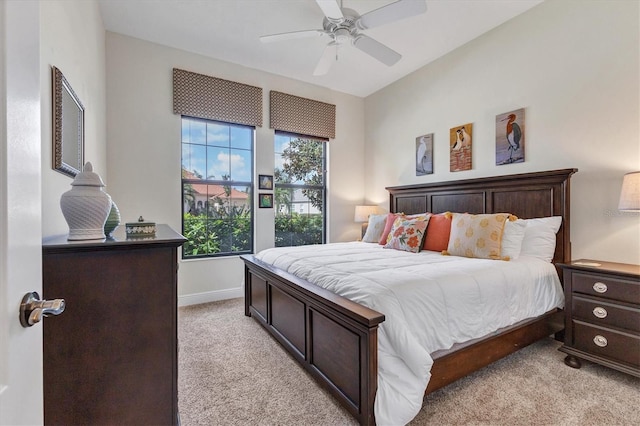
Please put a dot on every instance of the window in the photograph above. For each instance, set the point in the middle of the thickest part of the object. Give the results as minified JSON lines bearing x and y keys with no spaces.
{"x":217,"y":182}
{"x":300,"y":190}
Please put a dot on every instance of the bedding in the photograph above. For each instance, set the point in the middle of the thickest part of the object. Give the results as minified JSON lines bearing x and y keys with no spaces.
{"x":375,"y":228}
{"x":477,"y":235}
{"x":540,"y":237}
{"x":391,"y":217}
{"x":438,"y":231}
{"x":407,"y":234}
{"x":512,"y":238}
{"x":430,"y":302}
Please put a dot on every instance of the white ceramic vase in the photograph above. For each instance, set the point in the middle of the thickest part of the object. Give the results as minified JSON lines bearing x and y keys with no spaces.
{"x":86,"y":206}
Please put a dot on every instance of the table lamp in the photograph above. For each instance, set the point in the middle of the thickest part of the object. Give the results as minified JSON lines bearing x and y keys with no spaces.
{"x":630,"y":193}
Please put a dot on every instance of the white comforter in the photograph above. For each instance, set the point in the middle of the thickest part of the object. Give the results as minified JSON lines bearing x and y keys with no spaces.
{"x":430,"y":302}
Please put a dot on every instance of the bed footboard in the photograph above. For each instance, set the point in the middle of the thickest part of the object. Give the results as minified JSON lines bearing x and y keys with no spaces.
{"x":332,"y":337}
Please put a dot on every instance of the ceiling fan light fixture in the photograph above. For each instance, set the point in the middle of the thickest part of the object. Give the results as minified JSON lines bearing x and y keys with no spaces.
{"x":342,"y":35}
{"x":343,"y":25}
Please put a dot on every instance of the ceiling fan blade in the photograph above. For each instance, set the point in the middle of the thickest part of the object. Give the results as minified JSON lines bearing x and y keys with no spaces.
{"x":391,"y":12}
{"x":330,"y":8}
{"x":291,"y":35}
{"x":376,"y":49}
{"x":329,"y":55}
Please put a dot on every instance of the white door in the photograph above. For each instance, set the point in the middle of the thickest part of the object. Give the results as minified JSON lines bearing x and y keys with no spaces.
{"x":20,"y":211}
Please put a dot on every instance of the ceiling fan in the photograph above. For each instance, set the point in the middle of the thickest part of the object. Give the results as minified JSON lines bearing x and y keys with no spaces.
{"x":344,"y":25}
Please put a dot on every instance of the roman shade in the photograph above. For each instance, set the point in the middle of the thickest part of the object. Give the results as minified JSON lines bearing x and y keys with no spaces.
{"x":202,"y":96}
{"x":303,"y":116}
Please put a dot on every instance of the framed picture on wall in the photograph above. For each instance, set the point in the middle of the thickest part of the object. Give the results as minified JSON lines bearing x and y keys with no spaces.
{"x":460,"y":147}
{"x":265,"y":182}
{"x":424,"y":154}
{"x":265,"y":201}
{"x":510,"y":137}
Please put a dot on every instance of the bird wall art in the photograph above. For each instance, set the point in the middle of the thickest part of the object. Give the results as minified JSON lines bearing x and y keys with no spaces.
{"x":510,"y":137}
{"x":424,"y":154}
{"x":460,"y":147}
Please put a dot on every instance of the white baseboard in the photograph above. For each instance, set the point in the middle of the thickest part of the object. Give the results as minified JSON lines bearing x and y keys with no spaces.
{"x":210,"y":296}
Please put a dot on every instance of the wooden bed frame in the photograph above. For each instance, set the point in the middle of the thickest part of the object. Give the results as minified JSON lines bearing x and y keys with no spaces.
{"x":336,"y":340}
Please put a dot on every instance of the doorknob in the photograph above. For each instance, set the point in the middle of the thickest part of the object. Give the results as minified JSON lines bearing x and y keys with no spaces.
{"x":32,"y":309}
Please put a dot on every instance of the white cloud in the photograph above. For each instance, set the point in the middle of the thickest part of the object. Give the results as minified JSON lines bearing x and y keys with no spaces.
{"x":226,"y":162}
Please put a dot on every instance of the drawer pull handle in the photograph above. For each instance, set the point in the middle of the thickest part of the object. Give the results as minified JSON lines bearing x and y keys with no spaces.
{"x":600,"y":341}
{"x":600,"y":287}
{"x":600,"y":312}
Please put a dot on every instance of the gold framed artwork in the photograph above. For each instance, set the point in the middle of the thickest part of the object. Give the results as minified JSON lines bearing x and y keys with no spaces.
{"x":460,"y":147}
{"x":510,"y":137}
{"x":424,"y":155}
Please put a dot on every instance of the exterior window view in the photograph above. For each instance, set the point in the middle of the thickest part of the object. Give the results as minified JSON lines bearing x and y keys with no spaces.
{"x":217,"y":180}
{"x":300,"y":188}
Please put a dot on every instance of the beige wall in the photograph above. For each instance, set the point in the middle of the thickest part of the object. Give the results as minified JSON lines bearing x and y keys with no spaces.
{"x":72,"y":38}
{"x":573,"y":66}
{"x":144,"y":152}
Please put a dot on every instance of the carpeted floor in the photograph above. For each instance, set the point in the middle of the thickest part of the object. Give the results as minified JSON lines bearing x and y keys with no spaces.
{"x":231,"y":372}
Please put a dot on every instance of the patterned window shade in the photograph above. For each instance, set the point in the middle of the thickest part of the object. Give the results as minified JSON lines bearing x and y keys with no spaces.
{"x":198,"y":95}
{"x":303,"y":116}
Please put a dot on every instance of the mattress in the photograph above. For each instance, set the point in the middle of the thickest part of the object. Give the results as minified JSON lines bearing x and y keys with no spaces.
{"x":430,"y":302}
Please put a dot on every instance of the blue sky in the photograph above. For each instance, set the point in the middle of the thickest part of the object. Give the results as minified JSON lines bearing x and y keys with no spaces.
{"x":214,"y":150}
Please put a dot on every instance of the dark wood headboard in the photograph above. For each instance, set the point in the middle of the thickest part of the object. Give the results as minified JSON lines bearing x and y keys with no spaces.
{"x":526,"y":195}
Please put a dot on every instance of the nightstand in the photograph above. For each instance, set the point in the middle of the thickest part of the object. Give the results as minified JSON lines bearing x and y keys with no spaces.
{"x":602,"y":314}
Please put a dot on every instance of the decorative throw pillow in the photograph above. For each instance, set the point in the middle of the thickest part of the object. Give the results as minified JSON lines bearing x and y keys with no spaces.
{"x":384,"y":239}
{"x":512,"y":238}
{"x":406,"y":234}
{"x":540,"y":237}
{"x":391,"y":217}
{"x":375,"y":228}
{"x":438,"y":230}
{"x":477,"y":235}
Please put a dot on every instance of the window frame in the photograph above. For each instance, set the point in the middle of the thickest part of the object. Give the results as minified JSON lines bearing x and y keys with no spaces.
{"x":220,"y":182}
{"x":298,"y":186}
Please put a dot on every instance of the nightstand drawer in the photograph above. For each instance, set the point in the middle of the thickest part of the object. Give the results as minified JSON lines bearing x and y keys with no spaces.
{"x":623,"y":347}
{"x":603,"y":313}
{"x":604,"y":286}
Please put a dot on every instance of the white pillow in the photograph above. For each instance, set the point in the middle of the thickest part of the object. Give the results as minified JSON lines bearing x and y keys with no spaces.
{"x":375,"y":228}
{"x":540,"y":237}
{"x":512,"y":238}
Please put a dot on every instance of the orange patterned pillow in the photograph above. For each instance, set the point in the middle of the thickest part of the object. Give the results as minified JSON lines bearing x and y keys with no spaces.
{"x":477,"y":235}
{"x":384,"y":239}
{"x":407,"y":234}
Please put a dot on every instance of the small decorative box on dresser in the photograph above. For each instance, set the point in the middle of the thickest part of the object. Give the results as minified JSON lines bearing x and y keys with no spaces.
{"x":602,"y":314}
{"x":112,"y":357}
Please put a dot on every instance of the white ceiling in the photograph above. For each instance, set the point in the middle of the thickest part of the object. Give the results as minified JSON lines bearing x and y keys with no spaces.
{"x":229,"y":30}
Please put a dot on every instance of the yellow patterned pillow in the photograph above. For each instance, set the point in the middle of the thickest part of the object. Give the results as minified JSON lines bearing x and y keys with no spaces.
{"x":477,"y":235}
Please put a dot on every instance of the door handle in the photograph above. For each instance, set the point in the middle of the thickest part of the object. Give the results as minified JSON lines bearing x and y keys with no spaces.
{"x":32,"y":309}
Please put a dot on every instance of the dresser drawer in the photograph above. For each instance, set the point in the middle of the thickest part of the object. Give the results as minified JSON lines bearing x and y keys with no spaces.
{"x":604,"y":313}
{"x":604,"y":286}
{"x":619,"y":346}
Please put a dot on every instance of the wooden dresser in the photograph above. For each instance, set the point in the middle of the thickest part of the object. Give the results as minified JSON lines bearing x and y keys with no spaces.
{"x":602,"y":314}
{"x":111,"y":356}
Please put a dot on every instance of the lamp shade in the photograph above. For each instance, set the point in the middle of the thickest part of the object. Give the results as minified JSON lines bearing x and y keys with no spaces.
{"x":630,"y":194}
{"x":363,"y":213}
